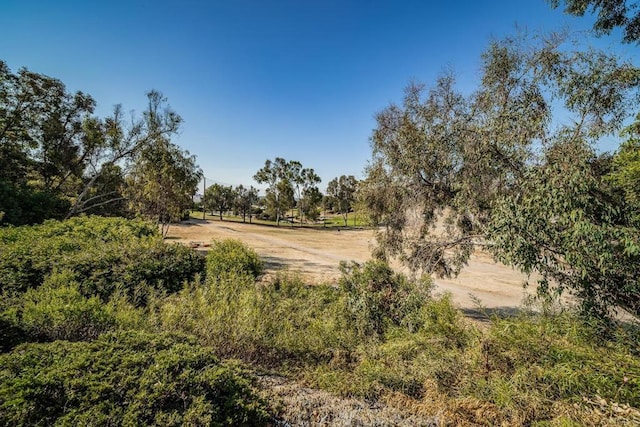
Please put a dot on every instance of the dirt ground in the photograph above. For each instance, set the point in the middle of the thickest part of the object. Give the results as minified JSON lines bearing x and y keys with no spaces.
{"x":316,"y":253}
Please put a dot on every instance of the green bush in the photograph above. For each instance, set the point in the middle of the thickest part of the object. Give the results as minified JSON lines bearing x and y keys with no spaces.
{"x":102,"y":253}
{"x":232,"y":257}
{"x":377,"y":297}
{"x":10,"y":332}
{"x":281,"y":322}
{"x":124,"y":379}
{"x":57,"y":310}
{"x":21,"y":205}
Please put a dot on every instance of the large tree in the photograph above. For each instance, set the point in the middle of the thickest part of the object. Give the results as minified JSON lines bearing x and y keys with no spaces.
{"x":117,"y":141}
{"x":162,"y":182}
{"x":41,"y":141}
{"x":310,"y":204}
{"x":457,"y":171}
{"x":53,"y":150}
{"x":611,"y":14}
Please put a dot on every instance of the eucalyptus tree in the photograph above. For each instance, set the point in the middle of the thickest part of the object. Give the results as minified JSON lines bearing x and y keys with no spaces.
{"x":341,"y":192}
{"x":611,"y":14}
{"x":41,"y":143}
{"x":501,"y":168}
{"x":220,"y":198}
{"x":244,"y":200}
{"x":311,"y":201}
{"x":306,"y":182}
{"x":286,"y":181}
{"x":119,"y":141}
{"x":162,"y":182}
{"x":272,"y":174}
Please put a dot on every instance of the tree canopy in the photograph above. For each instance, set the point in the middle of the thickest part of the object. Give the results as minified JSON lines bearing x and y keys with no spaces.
{"x":59,"y":160}
{"x":162,"y":182}
{"x":286,"y":181}
{"x":512,"y":167}
{"x":341,"y":194}
{"x":219,"y":197}
{"x":611,"y":14}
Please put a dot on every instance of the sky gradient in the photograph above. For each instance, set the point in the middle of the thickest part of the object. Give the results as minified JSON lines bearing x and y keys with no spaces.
{"x":262,"y":79}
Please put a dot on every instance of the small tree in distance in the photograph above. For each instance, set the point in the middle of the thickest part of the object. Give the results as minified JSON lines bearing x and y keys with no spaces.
{"x":341,"y":193}
{"x":285,"y":181}
{"x":244,"y":200}
{"x":219,"y":198}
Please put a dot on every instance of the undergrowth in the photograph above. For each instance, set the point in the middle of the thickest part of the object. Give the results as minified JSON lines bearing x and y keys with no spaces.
{"x":377,"y":335}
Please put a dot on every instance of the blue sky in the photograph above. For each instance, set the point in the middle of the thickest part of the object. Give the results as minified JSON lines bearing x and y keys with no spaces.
{"x":264,"y":78}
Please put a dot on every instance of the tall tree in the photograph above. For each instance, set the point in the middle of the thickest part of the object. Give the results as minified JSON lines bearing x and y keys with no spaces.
{"x":311,"y":202}
{"x":41,"y":138}
{"x":244,"y":201}
{"x":306,"y":181}
{"x":162,"y":182}
{"x":115,"y":141}
{"x":461,"y":169}
{"x":51,"y":143}
{"x":341,"y":192}
{"x":220,"y":198}
{"x":611,"y":14}
{"x":278,"y":175}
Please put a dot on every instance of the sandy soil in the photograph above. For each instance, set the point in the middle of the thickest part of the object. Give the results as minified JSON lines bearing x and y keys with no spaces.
{"x":316,"y":253}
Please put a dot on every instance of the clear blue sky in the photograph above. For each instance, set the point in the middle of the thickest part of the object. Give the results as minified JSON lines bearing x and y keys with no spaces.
{"x":264,"y":78}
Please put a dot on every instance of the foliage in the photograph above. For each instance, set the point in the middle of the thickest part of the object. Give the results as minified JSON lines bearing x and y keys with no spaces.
{"x":377,"y":298}
{"x":23,"y":205}
{"x":162,"y":183}
{"x":40,"y":130}
{"x":447,"y":165}
{"x":53,"y":150}
{"x":311,"y":202}
{"x":244,"y":200}
{"x":275,"y":323}
{"x":611,"y":14}
{"x":58,"y":311}
{"x":306,"y":181}
{"x":546,"y":368}
{"x":232,"y":257}
{"x":516,"y":371}
{"x":103,"y":254}
{"x":626,"y":167}
{"x":219,"y":197}
{"x":277,"y":177}
{"x":163,"y":379}
{"x":286,"y":180}
{"x":569,"y":225}
{"x":341,"y":193}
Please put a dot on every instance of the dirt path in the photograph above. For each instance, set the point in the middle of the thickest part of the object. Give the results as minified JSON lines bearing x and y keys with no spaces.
{"x":316,"y":253}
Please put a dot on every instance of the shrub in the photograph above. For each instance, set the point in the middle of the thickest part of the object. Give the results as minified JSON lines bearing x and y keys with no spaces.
{"x":102,"y":253}
{"x":124,"y":379}
{"x":57,"y":310}
{"x":378,"y":297}
{"x":232,"y":257}
{"x":281,"y":322}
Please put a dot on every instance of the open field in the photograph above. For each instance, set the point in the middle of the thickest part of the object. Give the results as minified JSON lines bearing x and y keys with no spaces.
{"x":316,"y":253}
